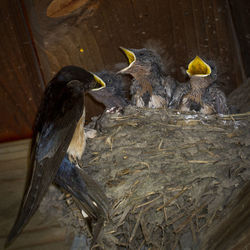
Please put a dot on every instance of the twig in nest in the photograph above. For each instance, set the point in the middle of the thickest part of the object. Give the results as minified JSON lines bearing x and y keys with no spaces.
{"x":175,"y":242}
{"x":141,"y":245}
{"x":193,"y":232}
{"x":145,"y":230}
{"x":165,"y":209}
{"x":160,"y":144}
{"x":142,"y":163}
{"x":123,"y":216}
{"x":188,"y":220}
{"x":210,"y":220}
{"x":116,"y":241}
{"x":136,"y":226}
{"x":201,"y":162}
{"x":233,"y":115}
{"x":134,"y":184}
{"x":173,"y":198}
{"x":94,"y":159}
{"x":118,"y":203}
{"x":149,"y":202}
{"x":109,"y":141}
{"x":175,"y":219}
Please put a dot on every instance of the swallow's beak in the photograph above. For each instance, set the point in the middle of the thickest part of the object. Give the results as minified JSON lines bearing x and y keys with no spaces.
{"x":131,"y":59}
{"x":100,"y":84}
{"x":198,"y":67}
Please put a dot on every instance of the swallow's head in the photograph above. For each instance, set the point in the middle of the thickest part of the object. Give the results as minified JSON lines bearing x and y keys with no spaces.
{"x":79,"y":78}
{"x":141,"y":61}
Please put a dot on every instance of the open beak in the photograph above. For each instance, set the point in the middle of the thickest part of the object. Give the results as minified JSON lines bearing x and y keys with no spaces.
{"x":197,"y":67}
{"x":131,"y":59}
{"x":100,"y":84}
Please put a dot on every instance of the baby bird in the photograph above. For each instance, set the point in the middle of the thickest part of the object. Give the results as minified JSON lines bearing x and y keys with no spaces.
{"x":114,"y":95}
{"x":151,"y":86}
{"x":201,"y":93}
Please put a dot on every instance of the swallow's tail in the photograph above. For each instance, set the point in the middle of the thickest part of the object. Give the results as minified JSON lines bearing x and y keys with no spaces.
{"x":28,"y":207}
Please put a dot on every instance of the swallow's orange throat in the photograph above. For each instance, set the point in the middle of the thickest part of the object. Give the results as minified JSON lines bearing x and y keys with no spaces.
{"x":78,"y":141}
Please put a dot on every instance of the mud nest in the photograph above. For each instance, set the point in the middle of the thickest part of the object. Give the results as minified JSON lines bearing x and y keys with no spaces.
{"x":168,"y":175}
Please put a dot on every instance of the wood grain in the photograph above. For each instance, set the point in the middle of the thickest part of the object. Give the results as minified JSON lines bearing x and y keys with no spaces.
{"x":40,"y":233}
{"x":241,"y":15}
{"x":20,"y":78}
{"x":58,"y":8}
{"x":234,"y":230}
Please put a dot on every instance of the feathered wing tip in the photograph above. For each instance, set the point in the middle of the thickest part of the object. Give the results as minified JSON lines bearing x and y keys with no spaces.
{"x":86,"y":192}
{"x":215,"y":97}
{"x":180,"y":90}
{"x":15,"y":231}
{"x":96,"y":194}
{"x":156,"y":46}
{"x":98,"y":200}
{"x":27,"y":209}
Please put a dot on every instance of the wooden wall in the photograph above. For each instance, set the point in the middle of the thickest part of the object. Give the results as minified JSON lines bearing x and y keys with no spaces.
{"x":181,"y":29}
{"x":241,"y":18}
{"x":21,"y":83}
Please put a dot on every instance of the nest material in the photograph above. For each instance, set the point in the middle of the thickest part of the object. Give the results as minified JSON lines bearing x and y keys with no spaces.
{"x":168,"y":176}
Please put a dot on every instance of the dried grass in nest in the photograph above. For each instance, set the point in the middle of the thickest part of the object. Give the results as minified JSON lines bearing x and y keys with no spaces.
{"x":167,"y":175}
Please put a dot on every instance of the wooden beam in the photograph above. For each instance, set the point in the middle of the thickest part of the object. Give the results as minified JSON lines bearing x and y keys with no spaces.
{"x":21,"y":82}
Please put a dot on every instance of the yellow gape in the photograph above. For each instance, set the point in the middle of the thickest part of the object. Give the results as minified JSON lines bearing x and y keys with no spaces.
{"x":130,"y":55}
{"x":100,"y":81}
{"x":198,"y":67}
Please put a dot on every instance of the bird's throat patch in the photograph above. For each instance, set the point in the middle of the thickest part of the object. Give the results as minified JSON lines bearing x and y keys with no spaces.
{"x":78,"y":141}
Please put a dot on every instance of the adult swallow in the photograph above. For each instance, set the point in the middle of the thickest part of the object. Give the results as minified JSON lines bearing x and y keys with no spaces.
{"x":114,"y":96}
{"x":58,"y":143}
{"x":203,"y":94}
{"x":151,"y":86}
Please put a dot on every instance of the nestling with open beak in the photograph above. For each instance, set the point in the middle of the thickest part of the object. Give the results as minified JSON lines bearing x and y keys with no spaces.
{"x":114,"y":95}
{"x":151,"y":86}
{"x":58,"y":143}
{"x":203,"y":94}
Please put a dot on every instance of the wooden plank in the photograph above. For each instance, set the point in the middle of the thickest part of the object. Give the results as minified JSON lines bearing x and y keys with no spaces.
{"x":40,"y":233}
{"x":21,"y":82}
{"x":234,"y":229}
{"x":241,"y":15}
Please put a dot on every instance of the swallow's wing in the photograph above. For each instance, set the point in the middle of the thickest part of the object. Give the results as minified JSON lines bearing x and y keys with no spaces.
{"x":109,"y":99}
{"x":75,"y":181}
{"x":87,"y":193}
{"x":217,"y":98}
{"x":179,"y":92}
{"x":56,"y":122}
